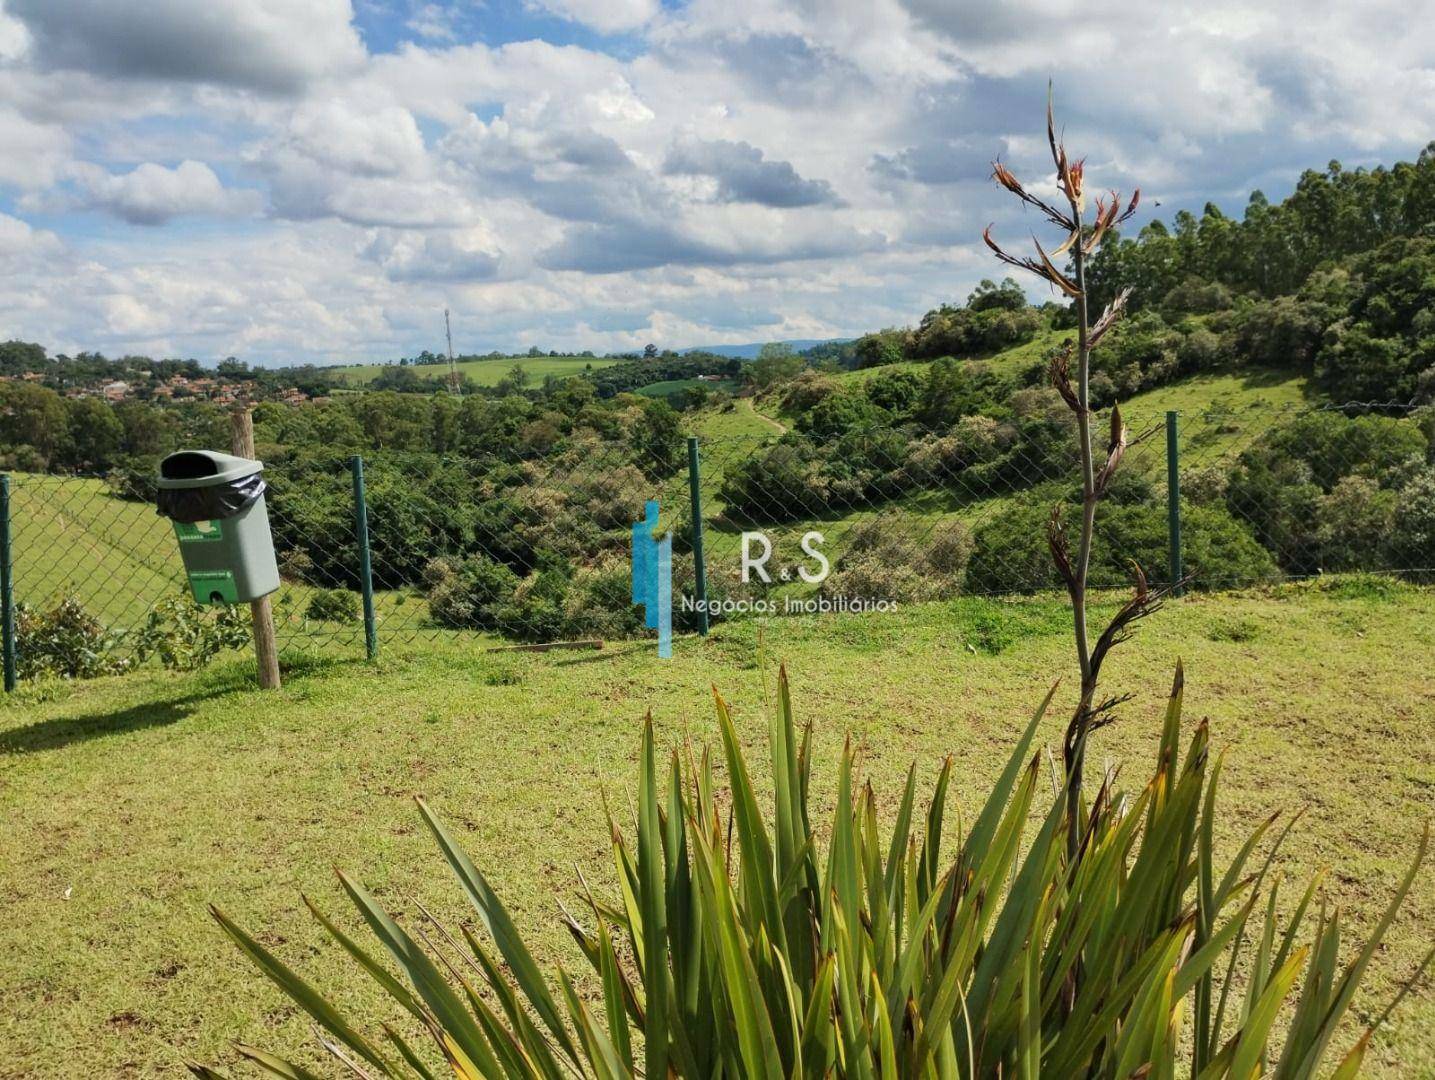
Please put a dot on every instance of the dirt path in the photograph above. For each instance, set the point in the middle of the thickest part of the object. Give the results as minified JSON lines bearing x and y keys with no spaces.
{"x":746,"y":405}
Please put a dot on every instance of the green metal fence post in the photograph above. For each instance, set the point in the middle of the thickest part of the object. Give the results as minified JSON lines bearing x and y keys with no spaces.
{"x":1173,"y":503}
{"x":7,"y":586}
{"x":700,"y":570}
{"x":366,"y":569}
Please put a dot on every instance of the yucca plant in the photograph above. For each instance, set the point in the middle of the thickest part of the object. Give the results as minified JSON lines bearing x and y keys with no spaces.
{"x":742,"y":943}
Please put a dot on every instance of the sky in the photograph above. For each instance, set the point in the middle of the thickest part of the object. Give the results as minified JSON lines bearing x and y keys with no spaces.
{"x":291,"y":181}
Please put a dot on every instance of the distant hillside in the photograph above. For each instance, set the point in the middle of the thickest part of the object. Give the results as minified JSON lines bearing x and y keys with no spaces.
{"x":750,"y":350}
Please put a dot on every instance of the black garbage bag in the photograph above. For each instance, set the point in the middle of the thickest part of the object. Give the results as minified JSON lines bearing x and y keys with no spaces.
{"x":212,"y":503}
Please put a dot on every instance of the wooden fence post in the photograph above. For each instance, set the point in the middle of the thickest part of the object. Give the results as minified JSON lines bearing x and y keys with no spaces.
{"x":266,"y":651}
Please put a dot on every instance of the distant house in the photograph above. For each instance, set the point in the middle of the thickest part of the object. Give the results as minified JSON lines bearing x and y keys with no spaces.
{"x":116,"y":391}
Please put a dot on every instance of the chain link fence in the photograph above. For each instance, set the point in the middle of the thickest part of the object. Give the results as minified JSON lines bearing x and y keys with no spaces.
{"x":538,"y":549}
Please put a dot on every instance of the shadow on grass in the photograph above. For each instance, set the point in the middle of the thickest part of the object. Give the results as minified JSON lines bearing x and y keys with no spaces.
{"x":222,"y":679}
{"x":598,"y":656}
{"x":66,"y":731}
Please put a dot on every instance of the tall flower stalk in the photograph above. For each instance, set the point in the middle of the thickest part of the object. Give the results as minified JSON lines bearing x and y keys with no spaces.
{"x":1081,"y":239}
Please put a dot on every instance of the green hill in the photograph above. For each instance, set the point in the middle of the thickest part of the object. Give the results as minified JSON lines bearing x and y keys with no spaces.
{"x":486,"y":372}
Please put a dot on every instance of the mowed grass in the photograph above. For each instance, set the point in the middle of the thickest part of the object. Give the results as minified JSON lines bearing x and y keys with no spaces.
{"x":487,"y":372}
{"x":131,"y":803}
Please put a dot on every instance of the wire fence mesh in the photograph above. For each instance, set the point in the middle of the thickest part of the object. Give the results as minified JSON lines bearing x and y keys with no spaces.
{"x":537,"y":548}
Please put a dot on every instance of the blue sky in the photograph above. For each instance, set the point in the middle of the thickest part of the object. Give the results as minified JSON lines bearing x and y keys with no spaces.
{"x":292,"y":180}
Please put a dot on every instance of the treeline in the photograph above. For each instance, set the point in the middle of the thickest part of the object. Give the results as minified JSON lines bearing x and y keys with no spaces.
{"x":669,"y":367}
{"x":1337,"y":281}
{"x":995,"y":317}
{"x":42,"y":431}
{"x":91,"y":369}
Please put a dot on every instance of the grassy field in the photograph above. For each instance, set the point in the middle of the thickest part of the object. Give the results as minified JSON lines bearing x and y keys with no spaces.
{"x":130,"y":803}
{"x":486,"y":372}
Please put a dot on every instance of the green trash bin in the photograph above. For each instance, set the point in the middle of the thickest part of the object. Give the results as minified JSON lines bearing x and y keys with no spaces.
{"x":216,"y":502}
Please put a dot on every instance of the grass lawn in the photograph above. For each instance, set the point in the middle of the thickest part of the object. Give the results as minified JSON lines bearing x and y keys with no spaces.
{"x":132,"y":802}
{"x":486,"y":372}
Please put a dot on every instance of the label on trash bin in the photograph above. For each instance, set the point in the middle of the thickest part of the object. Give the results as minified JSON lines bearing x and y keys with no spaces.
{"x":213,"y":587}
{"x":198,"y":531}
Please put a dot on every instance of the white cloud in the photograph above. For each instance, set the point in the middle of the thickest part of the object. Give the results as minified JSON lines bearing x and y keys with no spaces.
{"x":34,"y":154}
{"x":19,"y":240}
{"x":152,"y":194}
{"x":381,"y":142}
{"x":433,"y":22}
{"x":607,"y":16}
{"x":731,"y":170}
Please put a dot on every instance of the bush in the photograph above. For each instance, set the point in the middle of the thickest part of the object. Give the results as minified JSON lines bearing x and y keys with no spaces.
{"x":769,"y":948}
{"x":1283,"y":484}
{"x":842,"y":412}
{"x":65,"y":641}
{"x":186,"y":636}
{"x":1011,"y":553}
{"x":465,"y":595}
{"x":972,"y":441}
{"x":599,"y":602}
{"x":896,"y":560}
{"x":783,"y":482}
{"x":889,"y":346}
{"x":333,"y":605}
{"x":1353,"y":524}
{"x":1412,"y":536}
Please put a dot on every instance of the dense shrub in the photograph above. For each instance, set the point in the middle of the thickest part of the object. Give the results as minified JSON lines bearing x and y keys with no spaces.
{"x":65,"y":641}
{"x":1353,"y":524}
{"x":1411,"y":543}
{"x":1141,"y":353}
{"x":1011,"y":553}
{"x":1386,"y":336}
{"x":186,"y":636}
{"x":333,"y":605}
{"x":784,"y":481}
{"x":972,"y":441}
{"x":1281,"y":333}
{"x":890,"y":346}
{"x":1286,"y":487}
{"x":1196,"y":296}
{"x":847,"y":410}
{"x":599,"y":602}
{"x":803,"y":392}
{"x":466,"y":594}
{"x":896,"y":392}
{"x":902,"y":561}
{"x":958,"y":388}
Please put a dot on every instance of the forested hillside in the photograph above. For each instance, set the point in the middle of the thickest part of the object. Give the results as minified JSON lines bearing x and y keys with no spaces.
{"x":509,"y":505}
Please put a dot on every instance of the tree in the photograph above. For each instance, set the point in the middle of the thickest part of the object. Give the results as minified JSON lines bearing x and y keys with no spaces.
{"x":649,"y":351}
{"x":988,"y":296}
{"x":96,"y":435}
{"x":20,"y":357}
{"x":775,"y":363}
{"x":34,"y":416}
{"x":1081,"y":238}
